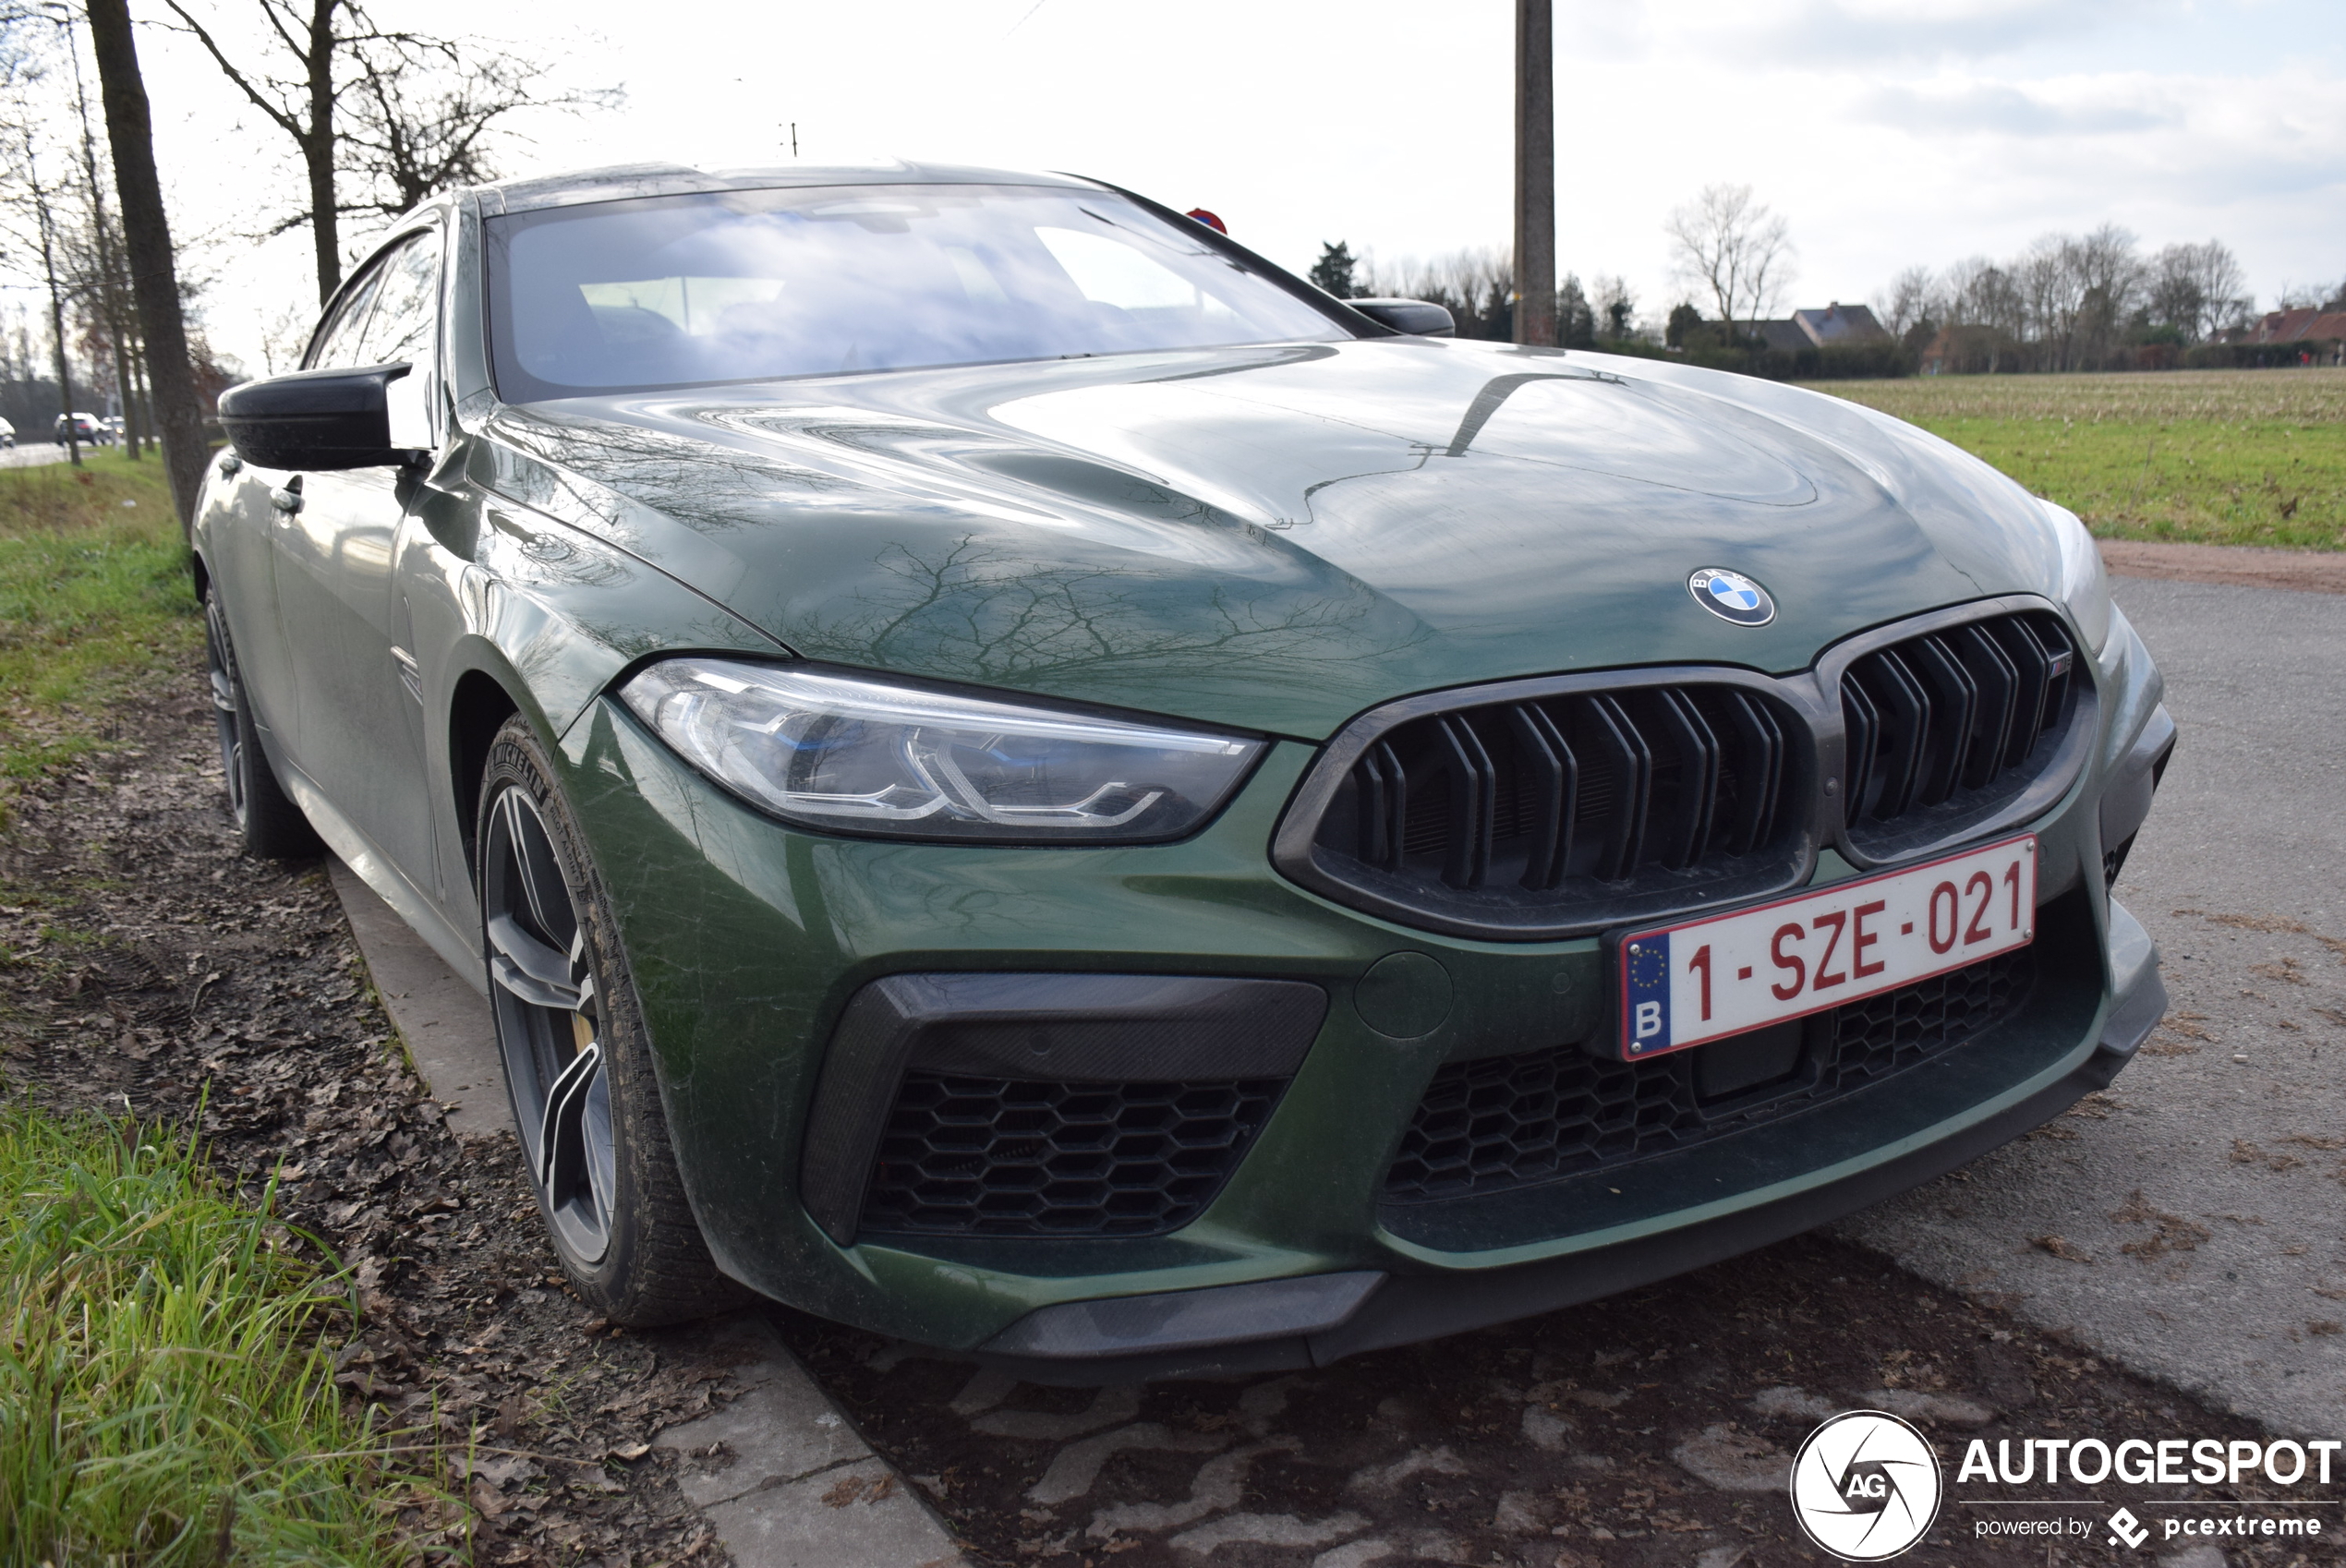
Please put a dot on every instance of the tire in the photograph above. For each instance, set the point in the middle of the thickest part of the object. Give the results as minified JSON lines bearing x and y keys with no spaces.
{"x":270,"y":825}
{"x":577,"y":1064}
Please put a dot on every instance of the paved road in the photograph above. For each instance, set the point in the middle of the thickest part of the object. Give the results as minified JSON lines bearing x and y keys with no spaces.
{"x":30,"y":455}
{"x":2200,"y":1205}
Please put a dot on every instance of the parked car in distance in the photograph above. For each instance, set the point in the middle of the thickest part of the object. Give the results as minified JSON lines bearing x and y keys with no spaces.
{"x":87,"y":428}
{"x":1018,"y":776}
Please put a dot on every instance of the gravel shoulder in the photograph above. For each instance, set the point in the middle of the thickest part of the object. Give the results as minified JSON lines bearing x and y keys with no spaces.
{"x":2244,"y":566}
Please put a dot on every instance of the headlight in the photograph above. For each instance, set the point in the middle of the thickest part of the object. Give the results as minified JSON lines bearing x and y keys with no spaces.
{"x":2085,"y":587}
{"x":853,"y":756}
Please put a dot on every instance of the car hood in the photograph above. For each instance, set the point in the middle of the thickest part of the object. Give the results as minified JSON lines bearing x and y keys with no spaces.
{"x":1277,"y":537}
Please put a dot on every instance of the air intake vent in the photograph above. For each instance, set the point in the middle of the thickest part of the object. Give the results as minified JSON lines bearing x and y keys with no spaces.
{"x":989,"y":1156}
{"x":1590,"y":805}
{"x":1948,"y":729}
{"x":1504,"y":1122}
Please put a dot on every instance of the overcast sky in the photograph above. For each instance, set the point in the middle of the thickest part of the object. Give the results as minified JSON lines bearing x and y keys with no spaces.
{"x":1887,"y":131}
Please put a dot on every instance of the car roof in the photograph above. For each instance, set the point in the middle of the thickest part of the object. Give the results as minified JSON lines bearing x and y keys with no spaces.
{"x":621,"y":181}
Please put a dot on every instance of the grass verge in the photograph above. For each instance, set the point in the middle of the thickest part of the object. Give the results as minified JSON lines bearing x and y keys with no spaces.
{"x":2224,"y":457}
{"x":94,"y":599}
{"x":166,"y":1393}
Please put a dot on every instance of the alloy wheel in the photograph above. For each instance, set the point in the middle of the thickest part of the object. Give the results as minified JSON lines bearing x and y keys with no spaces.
{"x":219,"y":662}
{"x":542,"y":984}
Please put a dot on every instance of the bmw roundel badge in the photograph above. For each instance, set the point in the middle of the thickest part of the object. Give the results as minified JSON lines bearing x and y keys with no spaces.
{"x":1730,"y":595}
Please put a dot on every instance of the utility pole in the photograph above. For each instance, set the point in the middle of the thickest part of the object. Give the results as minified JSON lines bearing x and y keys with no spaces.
{"x":1535,"y":174}
{"x":145,"y":236}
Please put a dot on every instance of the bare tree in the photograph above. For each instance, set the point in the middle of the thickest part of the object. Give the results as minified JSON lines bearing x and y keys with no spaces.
{"x":1734,"y":247}
{"x":154,"y":275}
{"x":1616,"y":307}
{"x":427,"y":118}
{"x":301,"y":105}
{"x":32,"y":201}
{"x":422,"y":113}
{"x":1910,"y":300}
{"x":2110,"y":279}
{"x":102,"y":279}
{"x":2196,"y":289}
{"x":1476,"y":286}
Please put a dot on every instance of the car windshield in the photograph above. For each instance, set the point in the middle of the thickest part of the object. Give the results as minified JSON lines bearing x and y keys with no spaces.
{"x":752,"y":285}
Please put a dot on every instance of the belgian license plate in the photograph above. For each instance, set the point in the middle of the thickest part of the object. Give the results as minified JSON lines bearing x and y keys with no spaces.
{"x":1683,"y":984}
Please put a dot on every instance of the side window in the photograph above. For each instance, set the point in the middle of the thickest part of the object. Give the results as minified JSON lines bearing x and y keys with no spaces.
{"x":337,"y":342}
{"x":406,"y":318}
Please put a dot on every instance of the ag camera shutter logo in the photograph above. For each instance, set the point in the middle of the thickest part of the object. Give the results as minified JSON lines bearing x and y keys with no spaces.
{"x":1866,"y":1486}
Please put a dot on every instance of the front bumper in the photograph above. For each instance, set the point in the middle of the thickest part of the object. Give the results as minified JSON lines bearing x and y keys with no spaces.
{"x":1246,"y":1329}
{"x":749,"y":941}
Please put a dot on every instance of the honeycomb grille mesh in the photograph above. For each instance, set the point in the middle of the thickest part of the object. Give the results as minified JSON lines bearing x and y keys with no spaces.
{"x":992,"y":1156}
{"x":1513,"y":1121}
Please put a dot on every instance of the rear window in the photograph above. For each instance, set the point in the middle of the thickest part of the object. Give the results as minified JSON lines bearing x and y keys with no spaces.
{"x":755,"y":285}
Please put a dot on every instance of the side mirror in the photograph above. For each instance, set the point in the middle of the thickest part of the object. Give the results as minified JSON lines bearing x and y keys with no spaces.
{"x":1417,"y":318}
{"x":316,"y":419}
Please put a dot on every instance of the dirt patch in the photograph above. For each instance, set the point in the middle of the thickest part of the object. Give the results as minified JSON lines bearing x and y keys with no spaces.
{"x":2246,"y":566}
{"x":147,"y":968}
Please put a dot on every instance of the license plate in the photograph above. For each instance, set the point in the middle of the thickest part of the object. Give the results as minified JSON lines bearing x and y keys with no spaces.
{"x":1684,"y":984}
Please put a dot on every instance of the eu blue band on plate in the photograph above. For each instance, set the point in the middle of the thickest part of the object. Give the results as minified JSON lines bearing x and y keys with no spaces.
{"x":1646,"y":1002}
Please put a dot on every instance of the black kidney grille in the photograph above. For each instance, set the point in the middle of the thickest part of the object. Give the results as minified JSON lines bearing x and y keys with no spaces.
{"x":1955,"y":719}
{"x":1603,"y":788}
{"x":1506,"y":1122}
{"x":991,"y":1156}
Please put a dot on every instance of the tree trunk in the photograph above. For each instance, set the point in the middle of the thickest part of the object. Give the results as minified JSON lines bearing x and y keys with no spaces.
{"x":65,"y":374}
{"x":126,"y":394}
{"x":318,"y":150}
{"x":146,"y":231}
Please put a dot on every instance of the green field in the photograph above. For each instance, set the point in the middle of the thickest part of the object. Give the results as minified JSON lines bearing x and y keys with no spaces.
{"x":2224,"y":457}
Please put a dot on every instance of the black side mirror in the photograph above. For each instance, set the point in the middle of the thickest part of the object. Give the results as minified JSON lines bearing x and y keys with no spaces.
{"x":1417,"y":318}
{"x":315,"y":419}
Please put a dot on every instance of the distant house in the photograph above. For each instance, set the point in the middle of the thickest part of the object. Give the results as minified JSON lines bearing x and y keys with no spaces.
{"x":1840,"y":323}
{"x":1836,"y":323}
{"x":2303,"y":324}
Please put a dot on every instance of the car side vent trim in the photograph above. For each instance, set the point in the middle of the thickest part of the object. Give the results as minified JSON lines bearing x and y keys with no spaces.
{"x":1101,"y":1051}
{"x":1564,"y":805}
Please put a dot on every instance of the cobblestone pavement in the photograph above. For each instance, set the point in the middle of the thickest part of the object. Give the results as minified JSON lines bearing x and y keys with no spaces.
{"x":1653,"y":1429}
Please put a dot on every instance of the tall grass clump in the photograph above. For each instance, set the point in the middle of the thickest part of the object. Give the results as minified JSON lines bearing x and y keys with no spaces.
{"x":166,"y":1383}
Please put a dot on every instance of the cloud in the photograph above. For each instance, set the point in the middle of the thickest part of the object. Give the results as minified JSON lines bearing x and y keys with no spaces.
{"x":1998,"y":108}
{"x":1840,"y":34}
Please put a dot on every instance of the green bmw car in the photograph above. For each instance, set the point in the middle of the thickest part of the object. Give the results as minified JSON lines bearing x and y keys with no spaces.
{"x":1020,"y":778}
